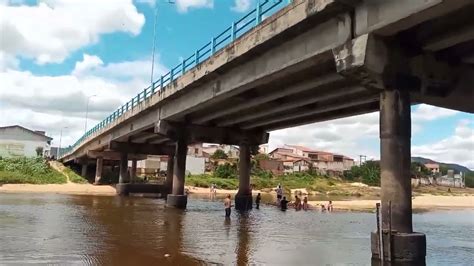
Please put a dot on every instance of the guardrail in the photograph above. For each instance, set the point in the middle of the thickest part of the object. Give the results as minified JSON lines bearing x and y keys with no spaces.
{"x":264,"y":8}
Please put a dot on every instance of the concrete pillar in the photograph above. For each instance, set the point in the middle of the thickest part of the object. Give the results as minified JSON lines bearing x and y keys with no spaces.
{"x":178,"y":198}
{"x":169,"y":175}
{"x":133,"y":171}
{"x":243,"y":199}
{"x":123,"y":174}
{"x":84,"y":170}
{"x":122,"y":187}
{"x":395,"y":160}
{"x":98,"y":170}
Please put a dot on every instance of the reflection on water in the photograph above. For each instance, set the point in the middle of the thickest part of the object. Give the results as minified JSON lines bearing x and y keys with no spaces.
{"x":60,"y":229}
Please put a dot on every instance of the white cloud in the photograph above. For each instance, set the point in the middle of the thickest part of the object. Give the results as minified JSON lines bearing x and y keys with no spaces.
{"x":426,"y":112}
{"x":51,"y":102}
{"x":241,"y":5}
{"x":348,"y":136}
{"x":92,"y":66}
{"x":49,"y":31}
{"x":185,"y":5}
{"x":458,"y":148}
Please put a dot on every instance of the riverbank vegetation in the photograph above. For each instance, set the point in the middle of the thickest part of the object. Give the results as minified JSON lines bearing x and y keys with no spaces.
{"x":28,"y":171}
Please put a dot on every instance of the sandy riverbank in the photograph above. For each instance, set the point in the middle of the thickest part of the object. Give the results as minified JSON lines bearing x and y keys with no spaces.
{"x":421,"y":203}
{"x":69,"y":188}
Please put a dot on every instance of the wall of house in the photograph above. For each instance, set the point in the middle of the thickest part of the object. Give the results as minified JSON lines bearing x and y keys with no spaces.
{"x":16,"y":142}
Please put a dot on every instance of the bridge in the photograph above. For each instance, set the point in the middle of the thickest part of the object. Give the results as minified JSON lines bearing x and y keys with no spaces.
{"x":289,"y":63}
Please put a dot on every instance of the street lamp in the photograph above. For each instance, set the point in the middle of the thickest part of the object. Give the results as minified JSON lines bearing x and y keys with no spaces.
{"x":87,"y":112}
{"x":154,"y":42}
{"x":60,"y":139}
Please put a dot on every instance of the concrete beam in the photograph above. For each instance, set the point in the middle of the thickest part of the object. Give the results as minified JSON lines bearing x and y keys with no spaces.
{"x":203,"y":134}
{"x":290,"y":105}
{"x":123,"y":173}
{"x":317,"y":110}
{"x":301,"y":52}
{"x":272,"y":95}
{"x":113,"y":155}
{"x":141,"y":148}
{"x":388,"y":17}
{"x":451,"y":38}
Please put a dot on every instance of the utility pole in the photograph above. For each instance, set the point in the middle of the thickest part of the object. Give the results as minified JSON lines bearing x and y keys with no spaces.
{"x":87,"y":112}
{"x":58,"y":153}
{"x":154,"y":43}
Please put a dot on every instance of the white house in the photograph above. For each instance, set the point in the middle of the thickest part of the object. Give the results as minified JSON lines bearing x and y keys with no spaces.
{"x":17,"y":141}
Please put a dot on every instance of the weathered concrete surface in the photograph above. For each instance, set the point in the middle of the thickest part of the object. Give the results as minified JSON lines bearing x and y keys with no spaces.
{"x":123,"y":174}
{"x":406,"y":248}
{"x":169,"y":176}
{"x":98,"y":170}
{"x":179,"y":171}
{"x":395,"y":162}
{"x":84,"y":169}
{"x":177,"y":201}
{"x":125,"y":189}
{"x":243,"y":198}
{"x":133,"y":171}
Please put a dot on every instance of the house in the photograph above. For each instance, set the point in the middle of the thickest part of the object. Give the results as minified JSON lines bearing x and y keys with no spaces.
{"x":298,"y":158}
{"x":231,"y":150}
{"x":18,"y":141}
{"x":433,"y":167}
{"x":157,"y":164}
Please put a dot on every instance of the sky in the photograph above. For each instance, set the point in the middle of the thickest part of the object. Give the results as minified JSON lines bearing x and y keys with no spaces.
{"x":57,"y":54}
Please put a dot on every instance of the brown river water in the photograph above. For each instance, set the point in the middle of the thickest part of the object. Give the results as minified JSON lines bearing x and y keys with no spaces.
{"x":94,"y":230}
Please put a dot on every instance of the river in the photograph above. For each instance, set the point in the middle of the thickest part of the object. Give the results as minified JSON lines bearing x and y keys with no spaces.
{"x":92,"y":230}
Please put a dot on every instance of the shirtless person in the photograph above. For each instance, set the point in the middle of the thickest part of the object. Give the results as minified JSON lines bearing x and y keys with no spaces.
{"x":227,"y":205}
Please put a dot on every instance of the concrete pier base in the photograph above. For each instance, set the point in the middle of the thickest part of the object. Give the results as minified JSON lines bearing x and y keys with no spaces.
{"x":406,"y":248}
{"x":122,"y":189}
{"x":243,"y":202}
{"x":177,"y":201}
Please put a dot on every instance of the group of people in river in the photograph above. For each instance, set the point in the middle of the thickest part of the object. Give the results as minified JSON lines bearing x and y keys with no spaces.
{"x":282,"y":203}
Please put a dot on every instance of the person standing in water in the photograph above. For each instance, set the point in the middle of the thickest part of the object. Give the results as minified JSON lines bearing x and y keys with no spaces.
{"x":330,"y":206}
{"x":305,"y":204}
{"x":284,"y":204}
{"x":257,"y":201}
{"x":279,"y":192}
{"x":227,"y":205}
{"x":297,"y":203}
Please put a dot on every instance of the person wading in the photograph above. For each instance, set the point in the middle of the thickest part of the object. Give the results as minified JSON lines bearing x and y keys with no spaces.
{"x":257,"y":201}
{"x":227,"y":205}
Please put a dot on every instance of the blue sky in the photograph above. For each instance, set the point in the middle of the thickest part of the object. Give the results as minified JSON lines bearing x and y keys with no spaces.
{"x":50,"y":64}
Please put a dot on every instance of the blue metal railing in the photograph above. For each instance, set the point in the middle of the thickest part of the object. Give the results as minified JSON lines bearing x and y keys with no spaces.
{"x":264,"y":8}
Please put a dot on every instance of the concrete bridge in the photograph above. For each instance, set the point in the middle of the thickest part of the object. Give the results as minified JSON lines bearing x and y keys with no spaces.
{"x":311,"y":61}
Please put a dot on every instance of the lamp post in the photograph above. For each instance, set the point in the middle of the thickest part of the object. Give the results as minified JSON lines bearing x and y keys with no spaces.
{"x":154,"y":43}
{"x":87,"y":112}
{"x":60,"y":140}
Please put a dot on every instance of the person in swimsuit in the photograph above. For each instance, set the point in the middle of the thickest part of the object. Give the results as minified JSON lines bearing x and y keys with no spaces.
{"x":305,"y":204}
{"x":227,"y":205}
{"x":284,"y":204}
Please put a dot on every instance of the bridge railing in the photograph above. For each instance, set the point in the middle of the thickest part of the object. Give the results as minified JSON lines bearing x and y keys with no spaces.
{"x":263,"y":9}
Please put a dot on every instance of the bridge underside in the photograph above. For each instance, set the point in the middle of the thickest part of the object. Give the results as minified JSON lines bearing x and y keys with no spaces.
{"x":312,"y":61}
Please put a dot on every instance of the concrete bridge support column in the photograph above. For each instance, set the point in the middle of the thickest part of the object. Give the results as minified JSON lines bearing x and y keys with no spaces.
{"x":178,"y":198}
{"x":84,"y":170}
{"x":133,"y":171}
{"x":243,"y":199}
{"x":98,"y":170}
{"x":403,"y":245}
{"x":169,"y":176}
{"x":121,"y":187}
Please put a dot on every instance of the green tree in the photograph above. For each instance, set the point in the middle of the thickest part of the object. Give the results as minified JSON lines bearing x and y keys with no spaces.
{"x":219,"y":154}
{"x":469,"y":179}
{"x":226,"y":171}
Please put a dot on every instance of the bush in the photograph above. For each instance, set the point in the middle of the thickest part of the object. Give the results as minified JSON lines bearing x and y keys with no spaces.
{"x":219,"y":154}
{"x":29,"y":171}
{"x":469,"y":179}
{"x":226,"y":171}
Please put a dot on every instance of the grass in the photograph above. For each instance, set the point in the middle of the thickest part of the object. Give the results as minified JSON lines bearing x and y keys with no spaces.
{"x":28,"y":171}
{"x":293,"y":181}
{"x":73,"y":177}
